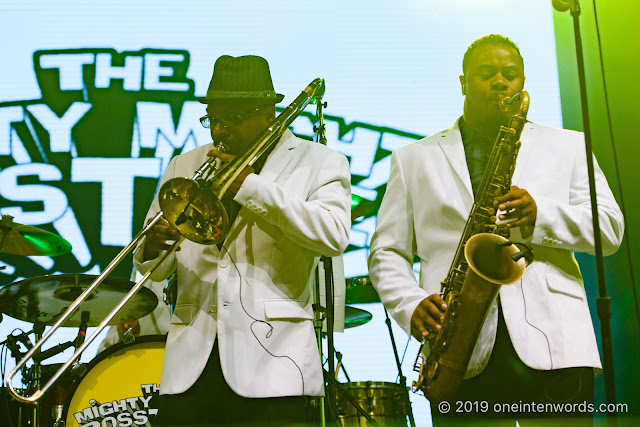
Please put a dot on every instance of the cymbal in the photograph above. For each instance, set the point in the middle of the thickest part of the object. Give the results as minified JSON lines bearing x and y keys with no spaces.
{"x":362,"y":207}
{"x":19,"y":239}
{"x":44,"y":298}
{"x":355,"y":317}
{"x":360,"y":290}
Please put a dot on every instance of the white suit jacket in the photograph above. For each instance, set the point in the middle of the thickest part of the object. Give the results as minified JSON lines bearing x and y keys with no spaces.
{"x":256,"y":296}
{"x":426,"y":206}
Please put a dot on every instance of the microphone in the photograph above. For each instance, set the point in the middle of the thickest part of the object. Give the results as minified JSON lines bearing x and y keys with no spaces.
{"x":13,"y":347}
{"x":561,"y":5}
{"x":52,"y":351}
{"x":24,"y":339}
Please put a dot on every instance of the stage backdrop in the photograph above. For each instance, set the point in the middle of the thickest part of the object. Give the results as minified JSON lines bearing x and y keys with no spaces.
{"x":96,"y":97}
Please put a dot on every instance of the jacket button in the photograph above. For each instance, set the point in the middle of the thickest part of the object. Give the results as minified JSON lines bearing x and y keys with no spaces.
{"x":223,"y":263}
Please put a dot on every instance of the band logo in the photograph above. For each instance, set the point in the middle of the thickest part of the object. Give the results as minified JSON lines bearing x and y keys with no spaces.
{"x":84,"y":161}
{"x":123,"y":413}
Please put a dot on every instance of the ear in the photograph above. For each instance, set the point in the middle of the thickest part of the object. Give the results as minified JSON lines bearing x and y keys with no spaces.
{"x":463,"y":85}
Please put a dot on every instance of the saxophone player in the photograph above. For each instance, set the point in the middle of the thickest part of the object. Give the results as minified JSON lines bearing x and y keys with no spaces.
{"x":537,"y":343}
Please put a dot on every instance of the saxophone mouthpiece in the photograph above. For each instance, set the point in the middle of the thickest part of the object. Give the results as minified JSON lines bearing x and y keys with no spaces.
{"x":514,"y":98}
{"x":503,"y":102}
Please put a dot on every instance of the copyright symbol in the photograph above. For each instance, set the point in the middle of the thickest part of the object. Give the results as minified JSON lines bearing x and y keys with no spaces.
{"x":444,"y":407}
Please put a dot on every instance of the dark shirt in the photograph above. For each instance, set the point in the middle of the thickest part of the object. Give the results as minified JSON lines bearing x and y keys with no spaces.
{"x":477,"y":149}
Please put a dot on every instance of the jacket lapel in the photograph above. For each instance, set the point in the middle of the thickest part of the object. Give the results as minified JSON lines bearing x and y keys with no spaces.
{"x":451,"y":144}
{"x":278,"y":162}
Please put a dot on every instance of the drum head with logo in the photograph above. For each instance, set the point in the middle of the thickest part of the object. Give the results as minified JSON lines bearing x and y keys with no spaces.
{"x":118,"y":385}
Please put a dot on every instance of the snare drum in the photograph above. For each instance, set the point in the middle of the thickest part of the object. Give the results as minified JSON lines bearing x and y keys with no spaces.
{"x":118,"y":385}
{"x":383,"y":401}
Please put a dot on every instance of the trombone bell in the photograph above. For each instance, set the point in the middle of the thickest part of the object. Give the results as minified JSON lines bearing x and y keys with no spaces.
{"x":194,"y":209}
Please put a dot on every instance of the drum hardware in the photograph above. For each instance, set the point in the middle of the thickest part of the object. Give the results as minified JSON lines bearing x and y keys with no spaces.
{"x":402,"y":380}
{"x":57,"y":415}
{"x":128,"y":337}
{"x":360,"y":290}
{"x":19,"y":239}
{"x":341,"y":366}
{"x":47,"y":412}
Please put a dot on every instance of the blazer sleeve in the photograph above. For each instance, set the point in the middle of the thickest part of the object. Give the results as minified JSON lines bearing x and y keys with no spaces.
{"x":321,"y":222}
{"x":392,"y":250}
{"x":569,"y":225}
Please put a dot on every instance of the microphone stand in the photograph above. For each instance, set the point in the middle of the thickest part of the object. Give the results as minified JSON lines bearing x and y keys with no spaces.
{"x":603,"y":302}
{"x":321,"y":138}
{"x":401,"y":377}
{"x":323,"y":313}
{"x":318,"y":318}
{"x":327,"y":262}
{"x":328,"y":281}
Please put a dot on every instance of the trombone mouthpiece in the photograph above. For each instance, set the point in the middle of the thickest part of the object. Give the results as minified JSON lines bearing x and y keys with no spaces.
{"x":221,"y":147}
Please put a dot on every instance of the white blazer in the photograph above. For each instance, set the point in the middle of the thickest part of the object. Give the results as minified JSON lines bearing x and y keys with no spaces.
{"x":256,"y":296}
{"x":425,"y":208}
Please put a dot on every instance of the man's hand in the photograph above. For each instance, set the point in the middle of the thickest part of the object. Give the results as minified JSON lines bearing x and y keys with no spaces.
{"x":226,"y":158}
{"x":427,"y":317}
{"x":519,"y":205}
{"x":157,"y":239}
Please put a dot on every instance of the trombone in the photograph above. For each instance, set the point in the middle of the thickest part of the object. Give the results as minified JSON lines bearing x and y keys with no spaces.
{"x":194,"y":207}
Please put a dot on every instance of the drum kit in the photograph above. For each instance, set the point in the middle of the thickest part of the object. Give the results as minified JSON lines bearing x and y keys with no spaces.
{"x":366,"y":403}
{"x":98,"y":392}
{"x":41,"y":301}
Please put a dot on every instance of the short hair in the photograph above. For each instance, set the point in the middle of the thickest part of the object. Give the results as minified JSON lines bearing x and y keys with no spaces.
{"x":495,"y":39}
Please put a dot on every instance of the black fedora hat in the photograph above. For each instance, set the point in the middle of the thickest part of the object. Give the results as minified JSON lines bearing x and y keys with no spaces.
{"x":242,"y":78}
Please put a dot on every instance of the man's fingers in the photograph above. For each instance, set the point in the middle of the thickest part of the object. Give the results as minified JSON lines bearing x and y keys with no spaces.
{"x":515,"y":204}
{"x":435,"y":313}
{"x":220,"y":155}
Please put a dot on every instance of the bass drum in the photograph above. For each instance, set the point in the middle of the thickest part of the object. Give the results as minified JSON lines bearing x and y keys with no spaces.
{"x":118,"y":386}
{"x":384,"y":402}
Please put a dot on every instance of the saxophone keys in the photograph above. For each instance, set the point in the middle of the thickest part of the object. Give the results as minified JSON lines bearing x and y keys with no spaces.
{"x":433,"y":369}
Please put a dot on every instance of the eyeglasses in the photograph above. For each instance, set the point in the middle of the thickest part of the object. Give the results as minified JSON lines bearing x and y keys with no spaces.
{"x":230,"y":120}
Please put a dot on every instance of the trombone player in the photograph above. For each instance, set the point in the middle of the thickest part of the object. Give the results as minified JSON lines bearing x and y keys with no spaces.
{"x":241,"y":347}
